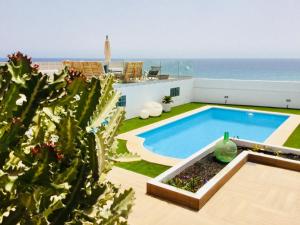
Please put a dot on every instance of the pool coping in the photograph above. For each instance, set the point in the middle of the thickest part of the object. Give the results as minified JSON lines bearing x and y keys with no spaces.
{"x":135,"y":144}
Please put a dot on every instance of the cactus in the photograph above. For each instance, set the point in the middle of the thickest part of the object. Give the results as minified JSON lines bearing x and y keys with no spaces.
{"x":55,"y":137}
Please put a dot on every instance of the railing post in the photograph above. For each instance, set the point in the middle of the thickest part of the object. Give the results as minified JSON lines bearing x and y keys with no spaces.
{"x":160,"y":67}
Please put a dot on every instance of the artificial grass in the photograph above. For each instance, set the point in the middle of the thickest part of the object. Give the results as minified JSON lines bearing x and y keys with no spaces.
{"x":143,"y":167}
{"x":136,"y":122}
{"x":294,"y":140}
{"x":268,"y":109}
{"x":121,"y":147}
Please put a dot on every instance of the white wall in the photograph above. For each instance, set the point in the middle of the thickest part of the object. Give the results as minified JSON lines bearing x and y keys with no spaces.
{"x":239,"y":92}
{"x":137,"y":94}
{"x":246,"y":92}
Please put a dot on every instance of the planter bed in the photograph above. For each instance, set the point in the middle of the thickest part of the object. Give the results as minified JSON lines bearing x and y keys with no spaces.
{"x":196,"y":179}
{"x":197,"y":175}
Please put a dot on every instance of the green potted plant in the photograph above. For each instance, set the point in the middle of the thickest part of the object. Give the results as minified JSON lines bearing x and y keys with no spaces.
{"x":167,"y":103}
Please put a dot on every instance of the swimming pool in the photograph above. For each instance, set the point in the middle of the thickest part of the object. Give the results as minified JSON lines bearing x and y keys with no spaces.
{"x":181,"y":138}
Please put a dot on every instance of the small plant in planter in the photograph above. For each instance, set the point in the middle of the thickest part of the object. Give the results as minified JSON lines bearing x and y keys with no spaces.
{"x":167,"y":103}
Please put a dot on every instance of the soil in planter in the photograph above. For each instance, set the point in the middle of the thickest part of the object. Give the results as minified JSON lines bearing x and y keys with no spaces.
{"x":195,"y":176}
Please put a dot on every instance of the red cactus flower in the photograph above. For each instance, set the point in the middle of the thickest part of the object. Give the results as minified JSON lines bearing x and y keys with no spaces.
{"x":59,"y":156}
{"x":36,"y":67}
{"x":35,"y":150}
{"x":73,"y":74}
{"x":18,"y":57}
{"x":50,"y":145}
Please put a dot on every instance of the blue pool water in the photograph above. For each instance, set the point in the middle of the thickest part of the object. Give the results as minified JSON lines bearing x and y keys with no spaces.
{"x":184,"y":137}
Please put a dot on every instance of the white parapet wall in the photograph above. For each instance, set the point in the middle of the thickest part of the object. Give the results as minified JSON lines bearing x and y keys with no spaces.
{"x":236,"y":92}
{"x":247,"y":92}
{"x":137,"y":94}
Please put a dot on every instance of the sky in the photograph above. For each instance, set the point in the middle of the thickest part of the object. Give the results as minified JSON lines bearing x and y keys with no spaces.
{"x":151,"y":28}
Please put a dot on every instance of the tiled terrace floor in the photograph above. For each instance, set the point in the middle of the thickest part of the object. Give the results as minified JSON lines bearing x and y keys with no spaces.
{"x":255,"y":195}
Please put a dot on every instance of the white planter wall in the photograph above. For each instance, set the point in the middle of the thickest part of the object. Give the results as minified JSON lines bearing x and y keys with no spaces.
{"x":137,"y":94}
{"x":239,"y":92}
{"x":246,"y":92}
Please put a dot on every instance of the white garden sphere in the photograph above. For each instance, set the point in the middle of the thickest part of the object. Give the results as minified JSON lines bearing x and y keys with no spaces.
{"x":154,"y":108}
{"x":155,"y":112}
{"x":144,"y":114}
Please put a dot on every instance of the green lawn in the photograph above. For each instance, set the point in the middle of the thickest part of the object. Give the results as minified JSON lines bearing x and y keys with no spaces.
{"x":143,"y":167}
{"x":136,"y":122}
{"x":121,"y":147}
{"x":294,"y":140}
{"x":153,"y":169}
{"x":269,"y":109}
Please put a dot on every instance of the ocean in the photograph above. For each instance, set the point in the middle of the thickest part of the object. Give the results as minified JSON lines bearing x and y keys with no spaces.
{"x":245,"y":69}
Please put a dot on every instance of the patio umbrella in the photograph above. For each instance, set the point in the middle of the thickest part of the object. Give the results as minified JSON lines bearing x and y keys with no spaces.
{"x":107,"y":53}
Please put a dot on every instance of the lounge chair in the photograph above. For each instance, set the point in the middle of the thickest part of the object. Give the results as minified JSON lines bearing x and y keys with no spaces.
{"x":132,"y":71}
{"x":88,"y":69}
{"x":153,"y":72}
